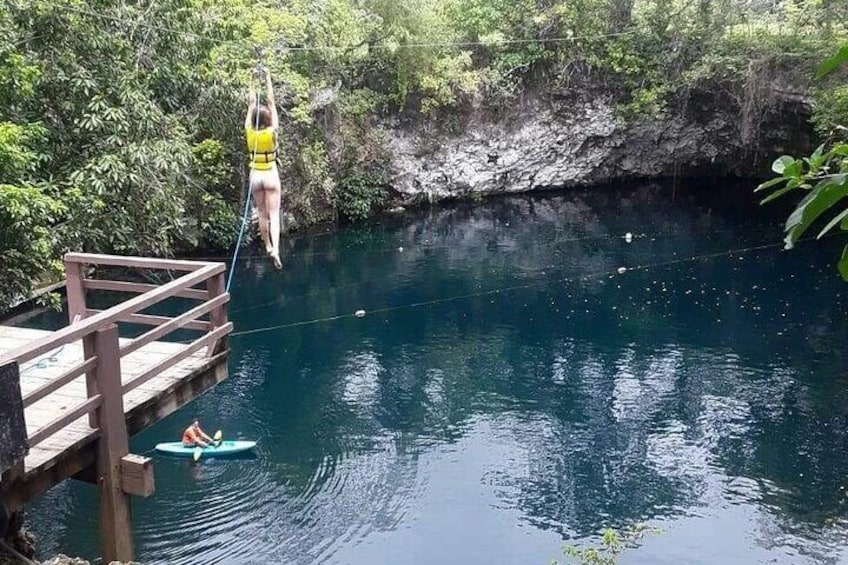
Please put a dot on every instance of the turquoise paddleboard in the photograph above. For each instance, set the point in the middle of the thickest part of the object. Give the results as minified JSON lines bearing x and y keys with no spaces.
{"x":228,"y":447}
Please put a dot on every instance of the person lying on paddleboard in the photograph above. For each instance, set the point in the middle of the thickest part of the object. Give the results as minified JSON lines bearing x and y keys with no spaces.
{"x":260,"y":125}
{"x":194,"y":436}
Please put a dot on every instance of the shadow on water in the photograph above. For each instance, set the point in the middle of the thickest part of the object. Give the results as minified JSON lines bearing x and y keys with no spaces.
{"x":519,"y":390}
{"x":245,"y":456}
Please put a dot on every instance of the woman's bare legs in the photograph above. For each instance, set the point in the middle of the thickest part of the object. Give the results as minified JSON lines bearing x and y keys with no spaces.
{"x":257,"y":189}
{"x":272,"y":205}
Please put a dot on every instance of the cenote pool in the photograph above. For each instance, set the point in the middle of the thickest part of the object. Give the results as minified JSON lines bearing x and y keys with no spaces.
{"x":509,"y":390}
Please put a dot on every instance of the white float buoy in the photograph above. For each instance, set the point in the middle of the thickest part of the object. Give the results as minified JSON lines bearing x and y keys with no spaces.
{"x":628,"y":237}
{"x":622,"y":270}
{"x":400,"y":249}
{"x":360,"y":313}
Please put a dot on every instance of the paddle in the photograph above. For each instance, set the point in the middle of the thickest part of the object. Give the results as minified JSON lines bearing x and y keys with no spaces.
{"x":216,"y":439}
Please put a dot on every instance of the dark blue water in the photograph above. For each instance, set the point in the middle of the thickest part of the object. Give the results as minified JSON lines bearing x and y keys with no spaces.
{"x":510,"y":389}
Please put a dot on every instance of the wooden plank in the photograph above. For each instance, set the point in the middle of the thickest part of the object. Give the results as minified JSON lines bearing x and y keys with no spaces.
{"x":116,"y":542}
{"x":151,"y":320}
{"x":131,"y":261}
{"x":89,"y":351}
{"x":89,"y":325}
{"x":12,"y":474}
{"x":216,"y":287}
{"x":75,"y":292}
{"x":62,"y":421}
{"x":40,"y":418}
{"x":174,"y":324}
{"x":157,"y":348}
{"x":171,"y":361}
{"x":74,"y":390}
{"x":139,"y":288}
{"x":64,"y":439}
{"x":45,"y":474}
{"x":137,"y":475}
{"x":59,"y":382}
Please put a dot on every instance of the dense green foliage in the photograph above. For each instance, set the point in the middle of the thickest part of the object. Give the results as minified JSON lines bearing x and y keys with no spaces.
{"x":357,"y":196}
{"x":823,"y":176}
{"x":120,"y":123}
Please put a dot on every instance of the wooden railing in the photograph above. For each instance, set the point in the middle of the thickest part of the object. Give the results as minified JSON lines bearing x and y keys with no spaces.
{"x":99,"y":334}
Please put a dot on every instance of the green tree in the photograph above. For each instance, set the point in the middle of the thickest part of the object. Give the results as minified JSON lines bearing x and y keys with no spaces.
{"x":123,"y":121}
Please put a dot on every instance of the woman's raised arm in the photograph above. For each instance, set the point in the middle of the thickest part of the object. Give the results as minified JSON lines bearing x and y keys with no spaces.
{"x":272,"y":104}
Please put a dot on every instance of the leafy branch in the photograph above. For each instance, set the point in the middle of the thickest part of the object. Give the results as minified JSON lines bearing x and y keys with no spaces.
{"x":612,"y":544}
{"x":824,"y":177}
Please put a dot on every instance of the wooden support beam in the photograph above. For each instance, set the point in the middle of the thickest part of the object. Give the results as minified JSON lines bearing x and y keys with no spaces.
{"x":32,"y":485}
{"x":116,"y":541}
{"x":12,"y":474}
{"x":137,"y":475}
{"x":87,"y":475}
{"x":216,"y":287}
{"x":75,"y":291}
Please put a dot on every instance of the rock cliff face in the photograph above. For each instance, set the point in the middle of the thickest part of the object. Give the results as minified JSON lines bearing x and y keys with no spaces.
{"x":554,"y":143}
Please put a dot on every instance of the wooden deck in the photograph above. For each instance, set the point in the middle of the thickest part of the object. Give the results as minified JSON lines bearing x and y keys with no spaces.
{"x":39,"y":372}
{"x":73,"y":397}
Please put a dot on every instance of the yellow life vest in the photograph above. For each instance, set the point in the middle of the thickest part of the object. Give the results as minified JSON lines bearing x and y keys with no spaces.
{"x":263,"y":143}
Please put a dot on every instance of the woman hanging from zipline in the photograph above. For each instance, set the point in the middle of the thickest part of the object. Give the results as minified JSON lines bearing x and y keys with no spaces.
{"x":261,"y":124}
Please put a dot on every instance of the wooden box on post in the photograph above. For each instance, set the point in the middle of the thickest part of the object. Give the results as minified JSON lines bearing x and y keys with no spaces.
{"x":13,"y":435}
{"x":137,"y":475}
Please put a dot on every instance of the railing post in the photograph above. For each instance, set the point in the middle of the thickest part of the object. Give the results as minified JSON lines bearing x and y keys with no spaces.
{"x":216,"y":286}
{"x":75,"y":290}
{"x":115,"y":514}
{"x":89,"y":348}
{"x":76,"y":312}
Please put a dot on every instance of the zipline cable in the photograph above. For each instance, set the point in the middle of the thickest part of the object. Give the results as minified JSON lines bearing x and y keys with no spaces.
{"x":616,"y":272}
{"x":312,"y":48}
{"x":560,"y":39}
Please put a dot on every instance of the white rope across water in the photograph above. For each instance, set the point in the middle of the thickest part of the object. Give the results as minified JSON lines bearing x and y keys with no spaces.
{"x":553,"y":243}
{"x":607,"y":273}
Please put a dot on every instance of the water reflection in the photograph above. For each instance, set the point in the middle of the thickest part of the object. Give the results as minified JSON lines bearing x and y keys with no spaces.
{"x":522,"y":391}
